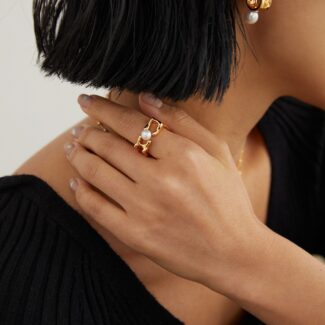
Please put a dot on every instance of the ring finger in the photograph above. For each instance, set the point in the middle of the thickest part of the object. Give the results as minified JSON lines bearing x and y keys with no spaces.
{"x":101,"y":175}
{"x":116,"y":151}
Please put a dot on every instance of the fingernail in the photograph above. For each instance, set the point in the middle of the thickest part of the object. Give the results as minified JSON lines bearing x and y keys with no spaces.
{"x":84,"y":100}
{"x":76,"y":131}
{"x":68,"y":148}
{"x":152,"y":100}
{"x":73,"y":183}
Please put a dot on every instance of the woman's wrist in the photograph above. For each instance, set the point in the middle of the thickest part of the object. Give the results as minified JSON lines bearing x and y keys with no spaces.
{"x":280,"y":283}
{"x":249,"y":255}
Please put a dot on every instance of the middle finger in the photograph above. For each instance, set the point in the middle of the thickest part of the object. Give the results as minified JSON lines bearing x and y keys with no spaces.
{"x":116,"y":151}
{"x":101,"y":175}
{"x":129,"y":123}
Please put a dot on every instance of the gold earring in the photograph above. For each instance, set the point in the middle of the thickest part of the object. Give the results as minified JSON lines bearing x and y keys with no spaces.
{"x":254,"y":6}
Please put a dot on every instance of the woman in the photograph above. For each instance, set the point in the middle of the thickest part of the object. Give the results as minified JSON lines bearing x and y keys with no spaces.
{"x":170,"y":232}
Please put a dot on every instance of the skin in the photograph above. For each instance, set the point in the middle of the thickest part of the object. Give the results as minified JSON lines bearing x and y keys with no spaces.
{"x":289,"y":45}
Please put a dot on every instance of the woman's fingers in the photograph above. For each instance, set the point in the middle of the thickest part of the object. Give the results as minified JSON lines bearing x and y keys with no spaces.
{"x":128,"y":123}
{"x":181,"y":128}
{"x":115,"y":150}
{"x":100,"y":174}
{"x":181,"y":123}
{"x":100,"y":211}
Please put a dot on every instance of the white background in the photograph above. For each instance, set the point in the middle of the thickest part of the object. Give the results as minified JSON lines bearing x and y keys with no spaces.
{"x":34,"y":109}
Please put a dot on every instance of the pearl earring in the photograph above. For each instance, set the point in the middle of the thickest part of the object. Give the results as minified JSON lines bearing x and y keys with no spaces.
{"x":254,"y":6}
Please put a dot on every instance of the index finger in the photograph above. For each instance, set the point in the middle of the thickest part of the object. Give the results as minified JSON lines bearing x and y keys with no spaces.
{"x":128,"y":123}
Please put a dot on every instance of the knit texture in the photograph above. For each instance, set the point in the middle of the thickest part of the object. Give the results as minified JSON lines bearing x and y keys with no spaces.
{"x":56,"y":269}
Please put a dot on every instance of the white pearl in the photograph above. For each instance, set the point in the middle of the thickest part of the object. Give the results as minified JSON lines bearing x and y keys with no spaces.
{"x":252,"y":17}
{"x":146,"y":134}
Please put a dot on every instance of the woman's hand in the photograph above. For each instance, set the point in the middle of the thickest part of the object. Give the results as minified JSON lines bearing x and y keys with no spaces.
{"x":185,"y":207}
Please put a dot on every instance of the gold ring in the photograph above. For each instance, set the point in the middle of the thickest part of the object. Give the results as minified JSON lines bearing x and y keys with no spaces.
{"x":102,"y":126}
{"x":98,"y":122}
{"x":259,"y":4}
{"x":147,"y":134}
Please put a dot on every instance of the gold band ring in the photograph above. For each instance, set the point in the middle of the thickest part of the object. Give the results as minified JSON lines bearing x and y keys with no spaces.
{"x":146,"y":135}
{"x":102,"y":126}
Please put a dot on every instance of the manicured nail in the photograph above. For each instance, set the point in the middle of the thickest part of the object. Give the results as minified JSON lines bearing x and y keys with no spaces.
{"x":68,"y":148}
{"x":152,"y":100}
{"x":73,"y":183}
{"x":76,"y":131}
{"x":84,"y":100}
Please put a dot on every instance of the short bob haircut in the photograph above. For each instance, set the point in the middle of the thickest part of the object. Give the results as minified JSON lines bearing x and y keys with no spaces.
{"x":172,"y":48}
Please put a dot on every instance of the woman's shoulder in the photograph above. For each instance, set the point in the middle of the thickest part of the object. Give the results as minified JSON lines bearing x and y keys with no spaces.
{"x":50,"y":259}
{"x":54,"y":267}
{"x":29,"y":201}
{"x":32,"y":209}
{"x":50,"y":164}
{"x":38,"y":257}
{"x":295,"y":118}
{"x":37,"y":206}
{"x":295,"y":132}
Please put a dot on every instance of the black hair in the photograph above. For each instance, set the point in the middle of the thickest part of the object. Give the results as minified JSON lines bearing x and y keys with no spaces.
{"x":171,"y":48}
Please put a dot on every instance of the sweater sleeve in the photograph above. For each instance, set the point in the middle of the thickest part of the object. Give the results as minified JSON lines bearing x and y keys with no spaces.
{"x":37,"y":266}
{"x":56,"y":269}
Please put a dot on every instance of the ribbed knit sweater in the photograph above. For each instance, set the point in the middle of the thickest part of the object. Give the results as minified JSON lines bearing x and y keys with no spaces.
{"x":56,"y":269}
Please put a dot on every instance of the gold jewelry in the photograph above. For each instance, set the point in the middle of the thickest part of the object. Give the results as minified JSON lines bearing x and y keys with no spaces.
{"x":102,"y":126}
{"x":259,"y":4}
{"x":98,"y":122}
{"x":240,"y":160}
{"x":254,"y":6}
{"x":146,"y":135}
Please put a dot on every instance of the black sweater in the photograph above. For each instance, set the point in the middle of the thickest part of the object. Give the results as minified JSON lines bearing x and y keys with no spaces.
{"x":56,"y":269}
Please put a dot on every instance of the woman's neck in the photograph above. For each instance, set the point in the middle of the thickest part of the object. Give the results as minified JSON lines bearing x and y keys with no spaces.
{"x":233,"y":120}
{"x":244,"y":104}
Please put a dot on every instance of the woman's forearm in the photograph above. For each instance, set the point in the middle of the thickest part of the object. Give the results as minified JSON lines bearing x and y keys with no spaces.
{"x":286,"y":285}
